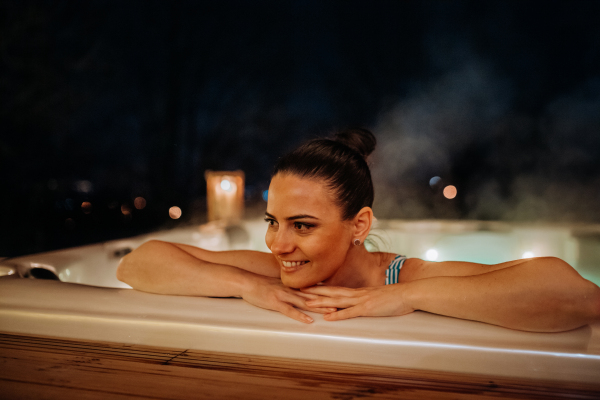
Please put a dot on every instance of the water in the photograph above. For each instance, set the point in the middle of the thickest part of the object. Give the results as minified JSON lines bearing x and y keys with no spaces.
{"x":474,"y":241}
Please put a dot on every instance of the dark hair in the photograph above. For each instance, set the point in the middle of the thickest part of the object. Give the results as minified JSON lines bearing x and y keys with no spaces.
{"x":341,"y":163}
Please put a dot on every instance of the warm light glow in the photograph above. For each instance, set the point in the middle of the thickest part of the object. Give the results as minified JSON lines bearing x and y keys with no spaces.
{"x":125,"y":209}
{"x":225,"y":195}
{"x":175,"y":212}
{"x":86,"y":206}
{"x":434,"y":181}
{"x":450,"y":192}
{"x":139,"y":203}
{"x":528,"y":254}
{"x":226,"y":185}
{"x":431,"y":254}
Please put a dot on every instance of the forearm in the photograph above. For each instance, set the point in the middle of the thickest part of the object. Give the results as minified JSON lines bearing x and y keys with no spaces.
{"x":163,"y":268}
{"x":539,"y":295}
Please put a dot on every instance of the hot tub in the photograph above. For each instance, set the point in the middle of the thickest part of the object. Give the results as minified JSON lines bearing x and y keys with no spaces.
{"x":88,"y":302}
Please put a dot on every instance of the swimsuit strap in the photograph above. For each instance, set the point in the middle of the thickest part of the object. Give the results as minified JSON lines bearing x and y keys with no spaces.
{"x":391,"y":274}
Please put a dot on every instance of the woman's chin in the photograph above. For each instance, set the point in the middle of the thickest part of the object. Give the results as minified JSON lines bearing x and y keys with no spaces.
{"x":296,"y":282}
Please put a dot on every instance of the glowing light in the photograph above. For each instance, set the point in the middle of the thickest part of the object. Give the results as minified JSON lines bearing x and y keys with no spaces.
{"x":125,"y":209}
{"x":450,"y":192}
{"x":265,"y":195}
{"x":434,"y":181}
{"x":224,"y":195}
{"x":528,"y":254}
{"x":139,"y":203}
{"x":175,"y":212}
{"x":431,"y":254}
{"x":226,"y":185}
{"x":86,"y":206}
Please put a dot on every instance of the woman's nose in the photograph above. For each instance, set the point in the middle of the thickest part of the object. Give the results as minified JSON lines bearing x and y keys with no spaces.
{"x":282,"y":243}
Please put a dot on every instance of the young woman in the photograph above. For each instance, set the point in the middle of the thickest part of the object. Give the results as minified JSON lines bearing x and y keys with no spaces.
{"x":319,"y":214}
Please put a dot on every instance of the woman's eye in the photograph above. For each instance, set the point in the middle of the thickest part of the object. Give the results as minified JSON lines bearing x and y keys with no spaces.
{"x":271,"y":222}
{"x":301,"y":227}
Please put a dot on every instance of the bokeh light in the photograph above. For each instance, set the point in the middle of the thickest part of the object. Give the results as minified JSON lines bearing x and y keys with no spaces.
{"x":139,"y":203}
{"x":265,"y":195}
{"x":175,"y":212}
{"x":434,"y":181}
{"x":450,"y":192}
{"x":70,"y":223}
{"x":86,"y":206}
{"x":125,"y":209}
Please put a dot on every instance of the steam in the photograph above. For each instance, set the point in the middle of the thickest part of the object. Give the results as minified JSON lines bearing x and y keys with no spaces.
{"x":510,"y":167}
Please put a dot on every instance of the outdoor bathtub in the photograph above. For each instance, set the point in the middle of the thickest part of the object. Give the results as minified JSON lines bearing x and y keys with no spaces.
{"x":90,"y":303}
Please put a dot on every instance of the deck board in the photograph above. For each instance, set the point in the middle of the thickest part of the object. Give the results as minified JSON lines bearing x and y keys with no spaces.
{"x":40,"y":367}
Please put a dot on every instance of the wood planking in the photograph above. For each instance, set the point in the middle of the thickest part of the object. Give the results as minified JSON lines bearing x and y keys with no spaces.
{"x":49,"y":368}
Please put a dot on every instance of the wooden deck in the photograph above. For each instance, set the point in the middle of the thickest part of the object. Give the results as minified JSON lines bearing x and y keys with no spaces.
{"x":34,"y":367}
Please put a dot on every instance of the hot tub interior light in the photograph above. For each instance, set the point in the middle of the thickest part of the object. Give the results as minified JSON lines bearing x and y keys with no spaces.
{"x":431,"y":255}
{"x":528,"y":254}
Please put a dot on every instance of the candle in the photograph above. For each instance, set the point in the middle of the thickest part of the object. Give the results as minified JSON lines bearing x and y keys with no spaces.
{"x":225,"y":195}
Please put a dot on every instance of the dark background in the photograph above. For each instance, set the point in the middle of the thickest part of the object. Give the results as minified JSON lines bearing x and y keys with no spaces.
{"x":105,"y":101}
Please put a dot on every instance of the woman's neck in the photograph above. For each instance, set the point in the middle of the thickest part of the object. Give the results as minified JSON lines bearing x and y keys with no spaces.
{"x":361,"y":269}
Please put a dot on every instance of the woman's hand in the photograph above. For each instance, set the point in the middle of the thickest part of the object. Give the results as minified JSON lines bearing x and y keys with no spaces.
{"x":271,"y":294}
{"x":381,"y":301}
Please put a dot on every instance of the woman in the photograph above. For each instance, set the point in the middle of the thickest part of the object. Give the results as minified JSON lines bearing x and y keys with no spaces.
{"x":319,"y":214}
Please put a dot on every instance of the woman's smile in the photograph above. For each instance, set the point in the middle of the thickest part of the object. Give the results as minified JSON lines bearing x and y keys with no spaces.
{"x":292,"y":266}
{"x":293,"y":263}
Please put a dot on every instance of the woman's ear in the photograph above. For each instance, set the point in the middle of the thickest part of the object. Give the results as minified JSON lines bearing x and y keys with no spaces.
{"x":362,"y":223}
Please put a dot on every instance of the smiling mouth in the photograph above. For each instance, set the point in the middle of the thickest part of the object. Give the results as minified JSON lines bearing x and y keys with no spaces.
{"x":293,"y":264}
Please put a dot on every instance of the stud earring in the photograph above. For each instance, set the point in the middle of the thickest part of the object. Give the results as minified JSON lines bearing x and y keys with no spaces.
{"x":356,"y":242}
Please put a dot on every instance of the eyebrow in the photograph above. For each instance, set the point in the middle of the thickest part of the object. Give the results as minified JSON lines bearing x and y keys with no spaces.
{"x":301,"y":216}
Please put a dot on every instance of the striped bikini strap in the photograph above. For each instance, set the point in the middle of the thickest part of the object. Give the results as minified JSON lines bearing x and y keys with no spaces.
{"x":391,"y":274}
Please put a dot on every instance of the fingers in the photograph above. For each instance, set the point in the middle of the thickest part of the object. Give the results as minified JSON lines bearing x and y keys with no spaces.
{"x":293,"y":313}
{"x":343,"y":314}
{"x":329,"y":291}
{"x":301,"y":303}
{"x":307,"y":296}
{"x":324,"y":310}
{"x":337,"y":302}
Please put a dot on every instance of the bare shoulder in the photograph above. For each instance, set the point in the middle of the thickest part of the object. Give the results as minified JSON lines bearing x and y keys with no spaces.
{"x":413,"y":269}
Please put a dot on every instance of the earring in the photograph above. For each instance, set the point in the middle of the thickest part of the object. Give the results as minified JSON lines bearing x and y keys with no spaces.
{"x":356,"y":242}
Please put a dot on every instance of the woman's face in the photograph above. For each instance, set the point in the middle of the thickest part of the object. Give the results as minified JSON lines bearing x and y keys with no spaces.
{"x":306,"y":233}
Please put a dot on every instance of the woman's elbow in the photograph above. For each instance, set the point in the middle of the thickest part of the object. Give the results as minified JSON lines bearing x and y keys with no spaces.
{"x":594,"y":303}
{"x":127,"y":269}
{"x":124,"y":270}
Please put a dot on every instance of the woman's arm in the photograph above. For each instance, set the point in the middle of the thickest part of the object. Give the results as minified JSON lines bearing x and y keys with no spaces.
{"x":169,"y":268}
{"x":415,"y":268}
{"x":540,"y":294}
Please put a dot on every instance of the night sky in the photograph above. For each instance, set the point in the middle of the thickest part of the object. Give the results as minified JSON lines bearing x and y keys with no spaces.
{"x":106,"y":101}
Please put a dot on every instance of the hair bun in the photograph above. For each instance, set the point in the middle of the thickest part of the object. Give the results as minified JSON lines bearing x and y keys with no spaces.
{"x":360,"y":140}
